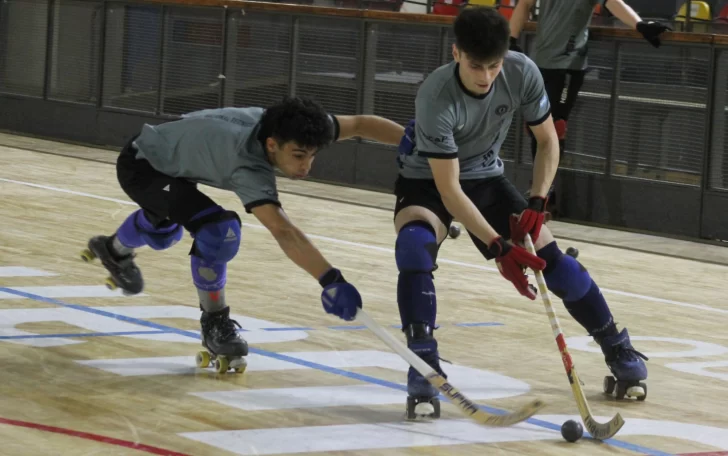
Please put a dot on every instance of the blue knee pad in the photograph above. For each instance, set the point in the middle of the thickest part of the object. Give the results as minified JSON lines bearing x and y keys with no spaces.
{"x":217,"y":236}
{"x":416,"y":248}
{"x":565,"y":277}
{"x":416,"y":253}
{"x":138,"y":231}
{"x":206,"y":275}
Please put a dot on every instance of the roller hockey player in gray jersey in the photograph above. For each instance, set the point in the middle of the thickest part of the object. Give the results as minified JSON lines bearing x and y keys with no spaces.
{"x":450,"y":167}
{"x":235,"y":149}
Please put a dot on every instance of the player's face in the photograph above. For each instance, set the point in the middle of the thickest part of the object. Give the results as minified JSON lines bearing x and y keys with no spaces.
{"x":477,"y":76}
{"x":293,"y":160}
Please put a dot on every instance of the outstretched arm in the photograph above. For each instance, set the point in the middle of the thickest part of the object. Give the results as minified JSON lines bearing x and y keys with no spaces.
{"x":292,"y":240}
{"x":370,"y":127}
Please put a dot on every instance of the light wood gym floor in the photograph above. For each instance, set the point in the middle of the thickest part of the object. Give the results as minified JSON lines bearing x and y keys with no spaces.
{"x":86,"y":371}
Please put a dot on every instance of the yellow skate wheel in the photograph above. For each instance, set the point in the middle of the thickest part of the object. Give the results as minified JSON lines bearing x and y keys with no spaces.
{"x":88,"y":256}
{"x":240,"y":368}
{"x":202,"y":359}
{"x":221,"y":365}
{"x":110,"y":284}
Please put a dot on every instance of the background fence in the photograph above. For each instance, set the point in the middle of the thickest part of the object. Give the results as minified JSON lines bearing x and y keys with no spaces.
{"x":646,"y":142}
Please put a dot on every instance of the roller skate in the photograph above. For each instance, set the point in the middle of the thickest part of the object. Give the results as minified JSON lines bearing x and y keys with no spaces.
{"x":628,"y":369}
{"x":225,"y":348}
{"x":123,"y":272}
{"x":422,"y":401}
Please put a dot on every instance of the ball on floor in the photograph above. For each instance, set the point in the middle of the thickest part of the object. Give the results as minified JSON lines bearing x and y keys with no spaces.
{"x":572,"y":252}
{"x":454,"y":231}
{"x":572,"y":431}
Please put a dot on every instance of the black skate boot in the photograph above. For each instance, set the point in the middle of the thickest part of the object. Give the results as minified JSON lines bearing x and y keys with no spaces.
{"x":628,"y":369}
{"x":124,"y":273}
{"x":422,"y":401}
{"x":220,"y":337}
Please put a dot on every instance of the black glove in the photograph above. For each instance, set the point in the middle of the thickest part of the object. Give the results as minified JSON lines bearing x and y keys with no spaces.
{"x":514,"y":45}
{"x":651,"y":31}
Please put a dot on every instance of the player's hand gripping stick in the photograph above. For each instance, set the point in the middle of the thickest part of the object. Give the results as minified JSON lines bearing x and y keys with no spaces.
{"x":339,"y":297}
{"x":512,"y":261}
{"x":530,"y":220}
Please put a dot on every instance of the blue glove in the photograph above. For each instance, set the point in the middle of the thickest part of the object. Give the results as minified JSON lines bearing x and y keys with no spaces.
{"x":407,"y":143}
{"x":339,"y":297}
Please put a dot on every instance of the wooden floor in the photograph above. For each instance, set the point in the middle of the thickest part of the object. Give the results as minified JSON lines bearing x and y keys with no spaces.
{"x":87,"y":371}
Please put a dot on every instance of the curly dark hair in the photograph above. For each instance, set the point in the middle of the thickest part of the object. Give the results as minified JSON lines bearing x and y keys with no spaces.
{"x":482,"y":33}
{"x":300,"y":120}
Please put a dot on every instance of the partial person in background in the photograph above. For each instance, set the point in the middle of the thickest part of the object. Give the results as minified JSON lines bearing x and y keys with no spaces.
{"x":560,"y":51}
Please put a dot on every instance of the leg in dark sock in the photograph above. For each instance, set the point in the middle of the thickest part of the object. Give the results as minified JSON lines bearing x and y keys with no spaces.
{"x":570,"y":281}
{"x":416,"y":252}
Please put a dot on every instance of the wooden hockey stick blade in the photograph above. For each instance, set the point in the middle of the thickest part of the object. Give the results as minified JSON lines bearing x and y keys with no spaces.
{"x":466,"y":406}
{"x":600,"y":431}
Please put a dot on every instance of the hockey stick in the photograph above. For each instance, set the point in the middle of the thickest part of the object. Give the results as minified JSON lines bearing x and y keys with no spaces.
{"x":598,"y":430}
{"x":468,"y":407}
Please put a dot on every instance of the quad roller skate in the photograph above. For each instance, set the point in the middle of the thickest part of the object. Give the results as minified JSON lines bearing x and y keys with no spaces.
{"x":225,"y":348}
{"x":123,"y":272}
{"x":422,"y":401}
{"x":628,"y":369}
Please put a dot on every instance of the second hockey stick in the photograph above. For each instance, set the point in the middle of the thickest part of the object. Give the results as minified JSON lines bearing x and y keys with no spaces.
{"x":468,"y":407}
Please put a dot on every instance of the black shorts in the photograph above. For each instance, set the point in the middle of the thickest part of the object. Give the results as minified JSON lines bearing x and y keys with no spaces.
{"x":163,"y":198}
{"x":496,"y":198}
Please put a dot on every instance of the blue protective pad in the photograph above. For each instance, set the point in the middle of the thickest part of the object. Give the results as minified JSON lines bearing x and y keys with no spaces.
{"x":208,"y":276}
{"x":416,"y":248}
{"x":138,"y":231}
{"x":218,"y":240}
{"x":567,"y":278}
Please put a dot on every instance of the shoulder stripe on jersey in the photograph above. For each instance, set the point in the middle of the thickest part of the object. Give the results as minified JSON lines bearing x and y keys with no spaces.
{"x":252,"y":205}
{"x":437,"y":154}
{"x":539,"y":121}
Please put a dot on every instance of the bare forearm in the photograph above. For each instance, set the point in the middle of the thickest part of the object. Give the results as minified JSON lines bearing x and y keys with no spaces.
{"x":520,"y":17}
{"x":544,"y":167}
{"x":301,"y":251}
{"x":623,"y":12}
{"x":379,"y":129}
{"x":460,"y":207}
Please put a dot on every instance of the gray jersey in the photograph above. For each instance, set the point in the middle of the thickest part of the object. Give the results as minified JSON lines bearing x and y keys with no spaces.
{"x":562,"y":33}
{"x":452,"y":123}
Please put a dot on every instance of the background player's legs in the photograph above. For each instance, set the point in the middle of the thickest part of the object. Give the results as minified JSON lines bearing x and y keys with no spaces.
{"x":565,"y":278}
{"x":419,"y":233}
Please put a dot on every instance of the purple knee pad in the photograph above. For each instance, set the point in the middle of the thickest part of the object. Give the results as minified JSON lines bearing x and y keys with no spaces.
{"x":208,"y":276}
{"x":138,"y":231}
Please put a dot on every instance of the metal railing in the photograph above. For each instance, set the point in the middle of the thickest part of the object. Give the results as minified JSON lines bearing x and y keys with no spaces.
{"x":647,"y":120}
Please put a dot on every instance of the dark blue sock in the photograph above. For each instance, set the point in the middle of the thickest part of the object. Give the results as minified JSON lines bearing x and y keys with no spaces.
{"x":416,"y":298}
{"x":570,"y":281}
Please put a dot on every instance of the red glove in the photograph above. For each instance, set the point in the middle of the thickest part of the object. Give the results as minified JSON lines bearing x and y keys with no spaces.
{"x":512,"y":261}
{"x":529,"y":221}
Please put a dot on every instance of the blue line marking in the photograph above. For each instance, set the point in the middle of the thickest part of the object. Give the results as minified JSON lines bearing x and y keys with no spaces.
{"x":312,"y":365}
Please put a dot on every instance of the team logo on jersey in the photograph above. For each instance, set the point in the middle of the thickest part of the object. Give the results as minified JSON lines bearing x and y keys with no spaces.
{"x":502,"y":109}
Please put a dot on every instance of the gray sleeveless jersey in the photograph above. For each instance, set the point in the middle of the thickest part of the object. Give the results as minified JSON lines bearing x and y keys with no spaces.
{"x":215,"y":147}
{"x":562,"y":33}
{"x":452,"y":123}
